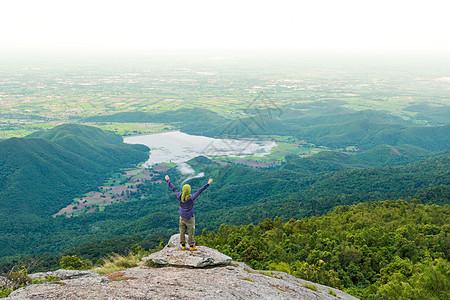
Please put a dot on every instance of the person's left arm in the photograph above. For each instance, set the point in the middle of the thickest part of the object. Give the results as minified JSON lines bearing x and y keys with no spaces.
{"x":174,"y":189}
{"x":197,"y":193}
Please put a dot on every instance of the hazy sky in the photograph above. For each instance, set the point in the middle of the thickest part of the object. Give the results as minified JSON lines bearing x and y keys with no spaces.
{"x":382,"y":26}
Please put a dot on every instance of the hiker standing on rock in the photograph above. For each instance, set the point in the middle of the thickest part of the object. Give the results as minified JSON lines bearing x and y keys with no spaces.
{"x":187,"y":219}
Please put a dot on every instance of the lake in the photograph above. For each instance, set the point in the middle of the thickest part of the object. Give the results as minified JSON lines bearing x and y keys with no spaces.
{"x":179,"y":147}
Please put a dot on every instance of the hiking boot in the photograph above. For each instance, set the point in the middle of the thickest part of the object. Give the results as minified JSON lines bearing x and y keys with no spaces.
{"x":192,"y":248}
{"x":183,"y":246}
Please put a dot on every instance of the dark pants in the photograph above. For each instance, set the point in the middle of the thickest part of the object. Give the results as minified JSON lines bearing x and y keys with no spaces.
{"x":190,"y":226}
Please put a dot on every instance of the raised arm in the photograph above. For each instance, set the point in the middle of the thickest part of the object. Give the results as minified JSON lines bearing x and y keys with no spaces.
{"x":174,"y":189}
{"x":197,"y":193}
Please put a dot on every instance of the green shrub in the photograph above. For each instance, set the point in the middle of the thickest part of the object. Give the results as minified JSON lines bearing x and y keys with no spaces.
{"x":5,"y":291}
{"x":51,"y":278}
{"x":138,"y":251}
{"x":37,"y":281}
{"x":18,"y":278}
{"x":136,"y":248}
{"x":71,"y":263}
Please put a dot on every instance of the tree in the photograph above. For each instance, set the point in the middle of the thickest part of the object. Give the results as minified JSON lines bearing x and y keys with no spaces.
{"x":71,"y":263}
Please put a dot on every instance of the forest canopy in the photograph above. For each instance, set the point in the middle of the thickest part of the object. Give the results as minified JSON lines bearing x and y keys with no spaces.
{"x":373,"y":250}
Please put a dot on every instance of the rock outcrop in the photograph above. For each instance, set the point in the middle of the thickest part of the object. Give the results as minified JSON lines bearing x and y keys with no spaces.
{"x":172,"y":255}
{"x":64,"y":274}
{"x":227,"y":280}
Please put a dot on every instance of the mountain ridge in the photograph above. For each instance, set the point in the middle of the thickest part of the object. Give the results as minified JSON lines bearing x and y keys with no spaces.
{"x":334,"y":128}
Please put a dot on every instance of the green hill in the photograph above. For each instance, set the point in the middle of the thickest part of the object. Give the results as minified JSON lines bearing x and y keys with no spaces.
{"x":323,"y":162}
{"x":366,"y":134}
{"x":198,"y":121}
{"x":310,"y":115}
{"x":88,"y":133}
{"x":388,"y":156}
{"x":43,"y":172}
{"x":379,"y":156}
{"x":435,"y":113}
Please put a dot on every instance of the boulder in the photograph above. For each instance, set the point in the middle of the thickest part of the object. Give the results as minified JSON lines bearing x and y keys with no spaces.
{"x":174,"y":240}
{"x":40,"y":275}
{"x":72,"y":274}
{"x":172,"y":255}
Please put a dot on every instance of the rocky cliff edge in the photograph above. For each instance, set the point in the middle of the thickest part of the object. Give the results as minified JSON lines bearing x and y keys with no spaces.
{"x":175,"y":274}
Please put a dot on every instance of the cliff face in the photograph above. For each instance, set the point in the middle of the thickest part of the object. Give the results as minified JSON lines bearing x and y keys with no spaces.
{"x":228,"y":280}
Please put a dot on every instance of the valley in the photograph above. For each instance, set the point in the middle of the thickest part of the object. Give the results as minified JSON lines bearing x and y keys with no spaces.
{"x":126,"y":185}
{"x":308,"y":151}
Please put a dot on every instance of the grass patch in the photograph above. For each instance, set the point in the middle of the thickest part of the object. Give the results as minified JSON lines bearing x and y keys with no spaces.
{"x":331,"y":292}
{"x":168,"y":164}
{"x":271,"y":274}
{"x":117,"y":263}
{"x":310,"y":286}
{"x":246,"y":278}
{"x":267,"y":273}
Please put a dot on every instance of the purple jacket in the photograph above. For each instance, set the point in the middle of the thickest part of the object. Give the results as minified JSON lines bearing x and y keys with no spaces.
{"x":187,"y":207}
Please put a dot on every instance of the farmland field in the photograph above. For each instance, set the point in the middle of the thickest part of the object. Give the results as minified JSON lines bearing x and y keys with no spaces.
{"x":122,"y":187}
{"x":42,"y":95}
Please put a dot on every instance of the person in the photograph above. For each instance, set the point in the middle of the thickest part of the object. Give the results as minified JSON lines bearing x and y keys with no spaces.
{"x":187,"y":219}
